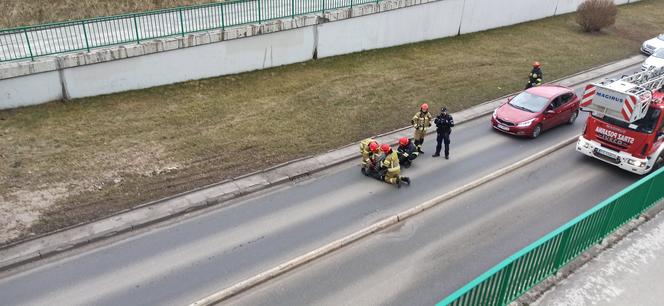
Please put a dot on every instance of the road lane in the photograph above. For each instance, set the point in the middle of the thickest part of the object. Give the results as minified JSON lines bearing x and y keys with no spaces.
{"x":179,"y":263}
{"x":424,"y":259}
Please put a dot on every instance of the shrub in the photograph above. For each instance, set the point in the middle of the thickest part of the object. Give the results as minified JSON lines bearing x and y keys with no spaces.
{"x":593,"y":15}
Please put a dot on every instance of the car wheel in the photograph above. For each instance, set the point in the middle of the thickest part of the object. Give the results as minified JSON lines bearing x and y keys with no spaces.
{"x":573,"y":117}
{"x":537,"y":131}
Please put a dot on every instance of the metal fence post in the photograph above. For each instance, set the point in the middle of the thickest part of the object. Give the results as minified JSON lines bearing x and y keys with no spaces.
{"x":222,"y":15}
{"x":259,"y":11}
{"x":138,"y":37}
{"x":293,"y":9}
{"x":181,"y":22}
{"x":85,"y":35}
{"x":27,"y":39}
{"x":323,"y":9}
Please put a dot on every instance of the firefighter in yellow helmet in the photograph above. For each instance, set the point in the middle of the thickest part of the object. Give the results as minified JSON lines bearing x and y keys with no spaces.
{"x":391,"y":171}
{"x":421,"y":121}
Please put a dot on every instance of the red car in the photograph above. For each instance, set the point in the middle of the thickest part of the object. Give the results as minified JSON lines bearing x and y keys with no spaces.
{"x":535,"y":110}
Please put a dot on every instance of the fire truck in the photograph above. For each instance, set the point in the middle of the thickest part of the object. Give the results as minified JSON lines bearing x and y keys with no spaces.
{"x":625,"y":126}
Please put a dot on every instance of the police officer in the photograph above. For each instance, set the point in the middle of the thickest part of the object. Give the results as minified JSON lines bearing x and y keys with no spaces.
{"x":421,"y":121}
{"x":407,"y":152}
{"x":535,"y":76}
{"x":444,"y":123}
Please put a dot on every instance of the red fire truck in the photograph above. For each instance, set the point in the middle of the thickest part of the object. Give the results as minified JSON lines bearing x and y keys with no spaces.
{"x":625,"y":127}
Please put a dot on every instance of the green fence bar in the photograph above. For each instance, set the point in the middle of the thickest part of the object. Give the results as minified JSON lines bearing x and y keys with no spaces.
{"x":64,"y":37}
{"x":27,"y":40}
{"x":85,"y":36}
{"x":517,"y":274}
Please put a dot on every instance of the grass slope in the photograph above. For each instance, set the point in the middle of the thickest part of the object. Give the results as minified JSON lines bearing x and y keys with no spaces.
{"x":64,"y":163}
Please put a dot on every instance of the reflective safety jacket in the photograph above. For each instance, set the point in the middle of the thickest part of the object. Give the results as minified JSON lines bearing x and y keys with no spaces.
{"x":409,"y":149}
{"x":391,"y":162}
{"x":535,"y":77}
{"x":421,"y":120}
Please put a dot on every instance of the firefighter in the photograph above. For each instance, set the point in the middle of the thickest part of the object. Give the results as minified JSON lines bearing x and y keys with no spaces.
{"x":407,"y":152}
{"x":535,"y":76}
{"x":391,"y":171}
{"x":421,"y":121}
{"x":444,"y":123}
{"x":372,"y":163}
{"x":365,"y":150}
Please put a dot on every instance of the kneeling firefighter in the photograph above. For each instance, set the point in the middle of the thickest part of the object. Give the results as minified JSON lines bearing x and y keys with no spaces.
{"x":391,"y":171}
{"x":371,"y":159}
{"x":407,"y":152}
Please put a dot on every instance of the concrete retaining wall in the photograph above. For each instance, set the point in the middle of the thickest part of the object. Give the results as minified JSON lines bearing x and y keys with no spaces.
{"x":481,"y":15}
{"x":251,"y":47}
{"x":234,"y":56}
{"x":392,"y":28}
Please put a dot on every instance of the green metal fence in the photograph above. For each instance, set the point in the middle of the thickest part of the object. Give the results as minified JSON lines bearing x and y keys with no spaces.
{"x":83,"y":35}
{"x":517,"y":274}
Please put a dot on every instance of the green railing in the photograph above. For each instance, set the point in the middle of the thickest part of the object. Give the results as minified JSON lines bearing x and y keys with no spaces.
{"x":83,"y":35}
{"x":517,"y":274}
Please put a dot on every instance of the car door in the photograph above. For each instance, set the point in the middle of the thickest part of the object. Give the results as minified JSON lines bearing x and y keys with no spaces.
{"x":566,"y":107}
{"x":550,"y":115}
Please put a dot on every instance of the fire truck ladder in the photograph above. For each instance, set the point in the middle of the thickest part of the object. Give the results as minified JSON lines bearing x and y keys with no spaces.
{"x":648,"y":80}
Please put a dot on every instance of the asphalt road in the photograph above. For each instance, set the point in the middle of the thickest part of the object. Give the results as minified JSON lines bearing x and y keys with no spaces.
{"x":179,"y":262}
{"x":426,"y":258}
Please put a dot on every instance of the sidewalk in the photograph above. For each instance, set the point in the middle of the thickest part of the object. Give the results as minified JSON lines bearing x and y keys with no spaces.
{"x":629,"y":273}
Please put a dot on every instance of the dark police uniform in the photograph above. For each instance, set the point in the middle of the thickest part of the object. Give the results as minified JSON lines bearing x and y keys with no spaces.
{"x":444,"y":123}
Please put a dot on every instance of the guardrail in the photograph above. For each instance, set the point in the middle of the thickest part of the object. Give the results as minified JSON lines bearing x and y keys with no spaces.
{"x":71,"y":36}
{"x":517,"y":274}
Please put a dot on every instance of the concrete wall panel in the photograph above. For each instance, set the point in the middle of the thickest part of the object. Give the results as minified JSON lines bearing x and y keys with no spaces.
{"x":228,"y":57}
{"x":392,"y":28}
{"x":567,"y":6}
{"x":479,"y":15}
{"x":30,"y":90}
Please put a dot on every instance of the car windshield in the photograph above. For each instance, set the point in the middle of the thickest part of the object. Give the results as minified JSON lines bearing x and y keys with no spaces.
{"x":659,"y":53}
{"x":645,"y":125}
{"x":529,"y":102}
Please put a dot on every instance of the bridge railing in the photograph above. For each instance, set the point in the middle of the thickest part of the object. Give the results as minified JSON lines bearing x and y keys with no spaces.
{"x":520,"y":272}
{"x":83,"y":35}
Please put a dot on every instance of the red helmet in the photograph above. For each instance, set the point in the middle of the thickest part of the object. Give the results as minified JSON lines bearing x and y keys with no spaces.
{"x":403,"y":141}
{"x":424,"y":107}
{"x":373,"y":146}
{"x":536,"y":64}
{"x":385,"y":148}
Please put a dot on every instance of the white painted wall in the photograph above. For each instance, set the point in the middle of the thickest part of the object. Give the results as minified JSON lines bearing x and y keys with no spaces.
{"x":30,"y":90}
{"x":479,"y":15}
{"x":400,"y":26}
{"x":233,"y":56}
{"x":567,"y":6}
{"x":392,"y":28}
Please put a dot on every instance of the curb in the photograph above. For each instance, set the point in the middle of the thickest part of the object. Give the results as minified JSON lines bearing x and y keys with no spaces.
{"x":39,"y":247}
{"x":365,"y":232}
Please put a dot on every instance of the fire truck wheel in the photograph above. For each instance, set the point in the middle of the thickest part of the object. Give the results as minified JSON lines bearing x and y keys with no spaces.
{"x":573,"y":118}
{"x":537,"y":131}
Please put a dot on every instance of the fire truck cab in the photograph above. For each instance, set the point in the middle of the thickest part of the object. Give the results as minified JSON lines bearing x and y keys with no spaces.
{"x":626,"y":124}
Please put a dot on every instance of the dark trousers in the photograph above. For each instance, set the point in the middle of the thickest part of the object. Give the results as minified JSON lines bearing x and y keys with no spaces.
{"x":440,"y":139}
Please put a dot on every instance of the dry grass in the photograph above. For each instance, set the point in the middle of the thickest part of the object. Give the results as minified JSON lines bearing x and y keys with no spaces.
{"x":30,"y":12}
{"x":112,"y":152}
